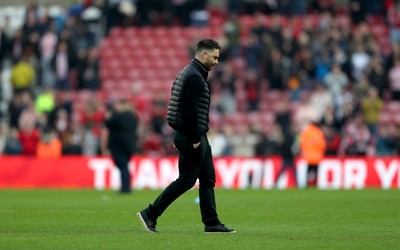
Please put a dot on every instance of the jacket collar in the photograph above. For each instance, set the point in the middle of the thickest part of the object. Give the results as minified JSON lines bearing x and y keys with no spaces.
{"x":198,"y":65}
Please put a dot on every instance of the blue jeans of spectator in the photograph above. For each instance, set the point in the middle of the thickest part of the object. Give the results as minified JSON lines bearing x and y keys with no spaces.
{"x":394,"y":35}
{"x":62,"y":84}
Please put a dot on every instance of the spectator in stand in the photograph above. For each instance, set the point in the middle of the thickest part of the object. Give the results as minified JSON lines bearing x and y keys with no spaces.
{"x":228,"y":131}
{"x":64,"y":104}
{"x":287,"y":46}
{"x":356,"y":138}
{"x":275,"y":29}
{"x":371,"y":107}
{"x":267,"y":144}
{"x":244,"y":140}
{"x":4,"y":132}
{"x":274,"y":69}
{"x":71,"y":140}
{"x":114,"y":16}
{"x":250,"y":6}
{"x":393,"y":56}
{"x":4,"y":45}
{"x":89,"y":74}
{"x":30,"y":27}
{"x":253,"y":52}
{"x":339,"y":56}
{"x":345,"y":111}
{"x":9,"y":143}
{"x":358,"y":9}
{"x":17,"y":105}
{"x":323,"y":6}
{"x":49,"y":146}
{"x":61,"y":122}
{"x":84,"y":39}
{"x":181,"y":10}
{"x":232,"y":31}
{"x":333,"y":139}
{"x":306,"y":83}
{"x":303,"y":59}
{"x":234,"y":6}
{"x":29,"y":137}
{"x":258,"y":28}
{"x":359,"y":61}
{"x":361,"y":88}
{"x":227,"y":78}
{"x":62,"y":64}
{"x":396,"y":140}
{"x":22,"y":76}
{"x":376,"y":73}
{"x":48,"y":43}
{"x":330,"y":120}
{"x":29,"y":114}
{"x":152,"y":144}
{"x":322,"y":66}
{"x":17,"y":45}
{"x":312,"y":150}
{"x":157,"y":121}
{"x":320,"y":99}
{"x":384,"y":145}
{"x":298,"y":8}
{"x":92,"y":119}
{"x":3,"y":101}
{"x":394,"y":80}
{"x":305,"y":112}
{"x":393,"y":17}
{"x":44,"y":22}
{"x":45,"y":101}
{"x":218,"y":141}
{"x":336,"y":82}
{"x":252,"y":86}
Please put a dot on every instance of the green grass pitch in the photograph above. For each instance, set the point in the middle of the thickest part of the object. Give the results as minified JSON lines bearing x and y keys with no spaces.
{"x":273,"y":219}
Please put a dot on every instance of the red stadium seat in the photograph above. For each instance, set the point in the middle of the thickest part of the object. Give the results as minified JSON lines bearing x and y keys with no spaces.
{"x":385,"y":117}
{"x":393,"y":106}
{"x":131,"y":32}
{"x":116,"y":32}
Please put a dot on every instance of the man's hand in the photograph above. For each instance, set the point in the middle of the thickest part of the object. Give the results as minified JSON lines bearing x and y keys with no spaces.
{"x":195,"y":145}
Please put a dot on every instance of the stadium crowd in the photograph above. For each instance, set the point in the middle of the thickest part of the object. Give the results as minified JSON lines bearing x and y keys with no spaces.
{"x":333,"y":71}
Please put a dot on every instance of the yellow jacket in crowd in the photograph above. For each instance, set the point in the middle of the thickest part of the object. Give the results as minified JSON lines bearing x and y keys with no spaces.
{"x":22,"y":75}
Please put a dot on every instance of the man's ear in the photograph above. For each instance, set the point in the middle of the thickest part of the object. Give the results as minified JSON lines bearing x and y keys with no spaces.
{"x":204,"y":54}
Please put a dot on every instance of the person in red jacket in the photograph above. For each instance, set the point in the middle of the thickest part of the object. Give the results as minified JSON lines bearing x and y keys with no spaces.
{"x":29,"y":137}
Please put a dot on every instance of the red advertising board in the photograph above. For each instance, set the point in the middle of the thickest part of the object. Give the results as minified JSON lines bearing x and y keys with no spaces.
{"x":231,"y":172}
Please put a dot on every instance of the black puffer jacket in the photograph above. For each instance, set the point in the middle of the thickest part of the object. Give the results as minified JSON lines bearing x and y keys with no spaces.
{"x":188,"y":109}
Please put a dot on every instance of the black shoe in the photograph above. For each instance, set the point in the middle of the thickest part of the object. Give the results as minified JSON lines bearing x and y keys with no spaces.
{"x":148,"y":223}
{"x":221,"y":228}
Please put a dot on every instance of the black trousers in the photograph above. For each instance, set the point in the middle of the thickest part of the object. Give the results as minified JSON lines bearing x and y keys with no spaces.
{"x":287,"y":163}
{"x":193,"y":164}
{"x":121,"y":160}
{"x":312,"y":174}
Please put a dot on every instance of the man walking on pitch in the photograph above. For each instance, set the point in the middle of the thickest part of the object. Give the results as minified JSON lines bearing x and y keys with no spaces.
{"x":188,"y":115}
{"x":121,"y":136}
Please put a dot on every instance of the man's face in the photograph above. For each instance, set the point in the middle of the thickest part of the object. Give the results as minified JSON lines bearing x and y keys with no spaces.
{"x":117,"y":106}
{"x":211,"y":58}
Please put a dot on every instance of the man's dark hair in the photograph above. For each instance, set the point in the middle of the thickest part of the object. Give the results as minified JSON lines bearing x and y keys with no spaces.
{"x":207,"y":44}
